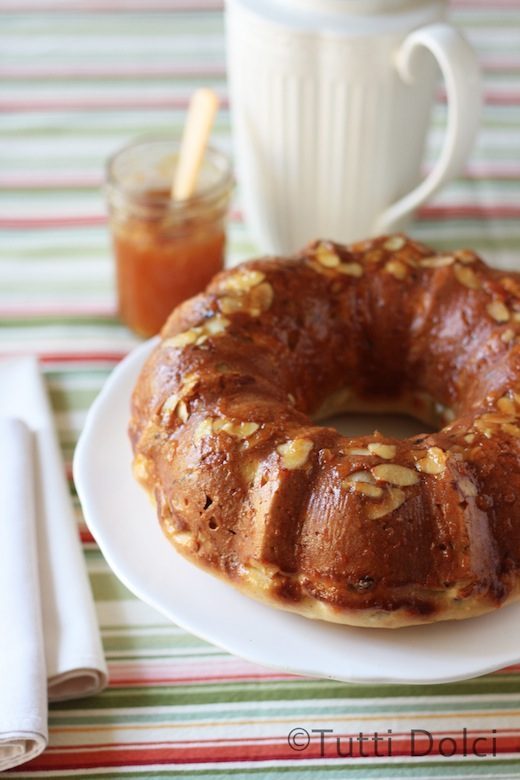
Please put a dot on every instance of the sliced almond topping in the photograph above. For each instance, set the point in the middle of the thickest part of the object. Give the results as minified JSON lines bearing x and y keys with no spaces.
{"x":395,"y":474}
{"x":512,"y":430}
{"x":204,"y":428}
{"x":249,"y":469}
{"x":326,"y":257}
{"x":242,"y":430}
{"x":140,"y":467}
{"x":295,"y":453}
{"x":498,"y":311}
{"x":495,"y":418}
{"x":260,"y":299}
{"x":507,"y":336}
{"x":358,"y":476}
{"x":246,"y":290}
{"x":242,"y":281}
{"x":362,"y":482}
{"x":199,"y":333}
{"x":394,"y":243}
{"x":511,"y":285}
{"x":467,"y":487}
{"x":506,"y":405}
{"x":169,"y":406}
{"x":359,"y":451}
{"x":469,"y":438}
{"x":434,"y":462}
{"x":465,"y":256}
{"x":367,"y":489}
{"x":438,"y":261}
{"x":253,"y":302}
{"x":174,"y":403}
{"x":466,"y":276}
{"x":396,"y":268}
{"x":182,"y":411}
{"x":350,"y":269}
{"x":215,"y":325}
{"x":230,"y":305}
{"x":393,"y":499}
{"x":182,"y":538}
{"x":182,"y":339}
{"x":291,"y":399}
{"x":386,"y":451}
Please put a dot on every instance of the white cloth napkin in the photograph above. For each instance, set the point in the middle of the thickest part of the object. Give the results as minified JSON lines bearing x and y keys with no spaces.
{"x":74,"y":661}
{"x":23,"y":682}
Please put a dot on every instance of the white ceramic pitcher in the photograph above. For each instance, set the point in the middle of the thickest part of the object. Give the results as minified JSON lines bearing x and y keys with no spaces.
{"x":331,"y":103}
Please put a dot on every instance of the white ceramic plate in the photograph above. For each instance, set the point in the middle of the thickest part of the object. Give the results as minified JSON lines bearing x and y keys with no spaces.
{"x":124,"y":524}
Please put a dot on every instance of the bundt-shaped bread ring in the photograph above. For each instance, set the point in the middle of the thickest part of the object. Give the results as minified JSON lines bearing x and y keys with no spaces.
{"x":368,"y":531}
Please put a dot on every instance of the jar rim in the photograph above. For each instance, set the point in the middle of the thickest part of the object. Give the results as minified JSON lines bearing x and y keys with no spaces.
{"x":224,"y":183}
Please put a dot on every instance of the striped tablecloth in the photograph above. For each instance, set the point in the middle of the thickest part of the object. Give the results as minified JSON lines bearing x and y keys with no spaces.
{"x":79,"y":78}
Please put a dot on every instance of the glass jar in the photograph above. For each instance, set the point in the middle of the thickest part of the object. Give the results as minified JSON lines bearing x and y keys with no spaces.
{"x":165,"y":250}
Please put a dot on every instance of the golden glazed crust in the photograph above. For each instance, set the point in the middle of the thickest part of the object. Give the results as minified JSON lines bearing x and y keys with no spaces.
{"x":369,"y":531}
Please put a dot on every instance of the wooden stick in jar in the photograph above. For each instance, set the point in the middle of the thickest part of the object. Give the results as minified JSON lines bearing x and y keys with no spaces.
{"x":201,"y":114}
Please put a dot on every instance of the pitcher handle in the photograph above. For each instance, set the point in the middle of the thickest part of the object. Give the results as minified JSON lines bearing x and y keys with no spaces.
{"x":460,"y":69}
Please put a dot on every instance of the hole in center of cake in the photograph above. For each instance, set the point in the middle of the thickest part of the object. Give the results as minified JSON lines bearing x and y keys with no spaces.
{"x":398,"y":426}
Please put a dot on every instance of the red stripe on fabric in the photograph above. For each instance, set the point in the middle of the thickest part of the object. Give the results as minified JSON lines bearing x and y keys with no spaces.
{"x":398,"y":736}
{"x":176,"y":70}
{"x":120,"y":71}
{"x":76,"y":220}
{"x":171,"y":103}
{"x":109,"y":103}
{"x":73,"y":220}
{"x":110,"y":7}
{"x":47,"y":181}
{"x":508,"y":171}
{"x":87,"y":357}
{"x":254,"y":750}
{"x":496,"y":5}
{"x":23,"y":311}
{"x":469,"y":211}
{"x":136,"y":682}
{"x":165,"y":673}
{"x":78,"y":357}
{"x":490,"y":97}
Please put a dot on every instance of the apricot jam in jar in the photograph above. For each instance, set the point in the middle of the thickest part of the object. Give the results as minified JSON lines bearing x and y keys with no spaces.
{"x":165,"y":250}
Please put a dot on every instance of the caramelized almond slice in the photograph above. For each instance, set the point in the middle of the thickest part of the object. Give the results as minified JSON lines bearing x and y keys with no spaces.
{"x":326,"y":256}
{"x":294,"y":453}
{"x":386,"y":451}
{"x":350,"y":269}
{"x":394,"y":243}
{"x":395,"y":474}
{"x":438,"y":261}
{"x":397,"y":269}
{"x":466,"y":276}
{"x":434,"y":462}
{"x":394,"y":498}
{"x":498,"y":311}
